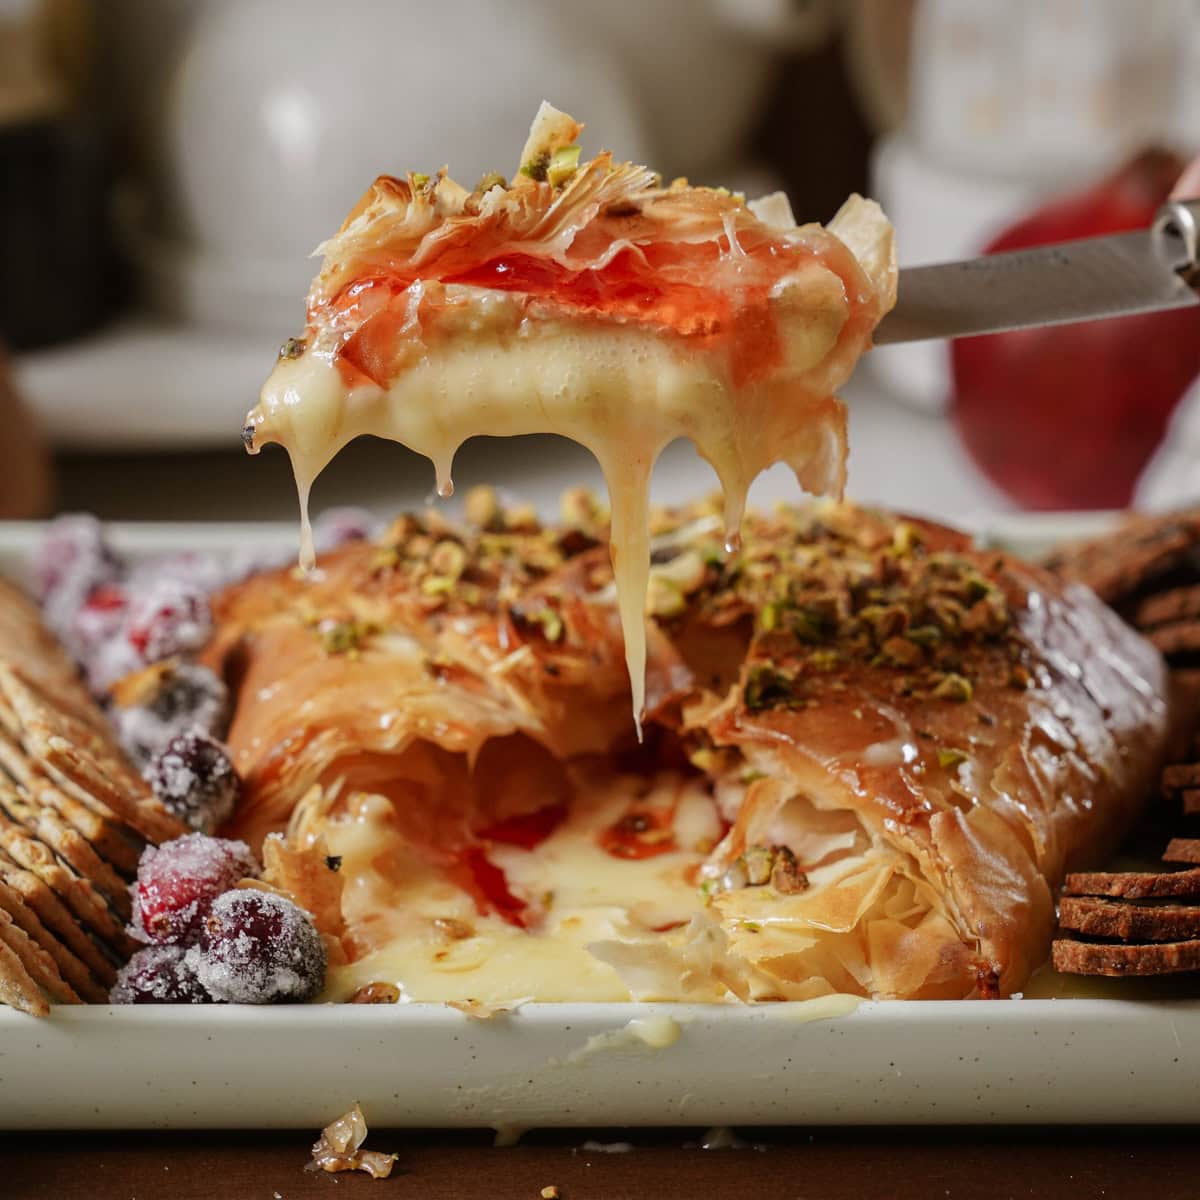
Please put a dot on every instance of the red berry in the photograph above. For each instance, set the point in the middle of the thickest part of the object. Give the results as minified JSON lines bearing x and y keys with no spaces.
{"x":195,"y":779}
{"x":72,"y":561}
{"x":259,"y":948}
{"x":159,"y":975}
{"x":178,"y":881}
{"x":171,"y":617}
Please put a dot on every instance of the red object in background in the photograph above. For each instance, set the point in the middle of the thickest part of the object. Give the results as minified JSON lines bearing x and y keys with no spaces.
{"x":1067,"y":417}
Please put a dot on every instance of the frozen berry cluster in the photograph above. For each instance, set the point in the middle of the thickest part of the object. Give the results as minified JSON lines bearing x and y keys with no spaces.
{"x":210,"y":941}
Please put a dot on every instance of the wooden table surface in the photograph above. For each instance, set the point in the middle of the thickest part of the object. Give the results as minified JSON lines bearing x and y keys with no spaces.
{"x":776,"y":1164}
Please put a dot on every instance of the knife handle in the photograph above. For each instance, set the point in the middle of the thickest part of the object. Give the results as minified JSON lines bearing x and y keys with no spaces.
{"x":1177,"y":233}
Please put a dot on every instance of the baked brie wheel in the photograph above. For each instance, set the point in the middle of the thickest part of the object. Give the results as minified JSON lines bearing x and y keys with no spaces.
{"x":871,"y":751}
{"x":585,"y":299}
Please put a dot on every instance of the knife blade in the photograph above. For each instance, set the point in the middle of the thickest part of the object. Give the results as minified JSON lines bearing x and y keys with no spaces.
{"x":1146,"y":270}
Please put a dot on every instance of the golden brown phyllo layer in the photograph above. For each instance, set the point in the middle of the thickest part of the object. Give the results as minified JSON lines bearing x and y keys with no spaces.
{"x":872,"y":750}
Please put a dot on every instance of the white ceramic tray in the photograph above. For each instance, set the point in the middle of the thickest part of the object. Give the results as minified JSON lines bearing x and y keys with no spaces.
{"x":1019,"y":1061}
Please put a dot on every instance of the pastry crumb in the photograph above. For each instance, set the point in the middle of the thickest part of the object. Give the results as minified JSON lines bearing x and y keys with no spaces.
{"x":550,"y":1193}
{"x":338,"y":1148}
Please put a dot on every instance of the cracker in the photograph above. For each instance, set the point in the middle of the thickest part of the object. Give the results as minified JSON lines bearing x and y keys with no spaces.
{"x":37,"y":964}
{"x":45,"y":825}
{"x":72,"y":969}
{"x":1177,"y":640}
{"x":1133,"y":885}
{"x":78,"y":894}
{"x":1119,"y":564}
{"x":1182,"y":850}
{"x":25,"y":640}
{"x":1165,"y":608}
{"x":73,"y":750}
{"x":1104,"y":958}
{"x":1181,"y":776}
{"x":57,"y":918}
{"x":1129,"y":922}
{"x":17,"y":989}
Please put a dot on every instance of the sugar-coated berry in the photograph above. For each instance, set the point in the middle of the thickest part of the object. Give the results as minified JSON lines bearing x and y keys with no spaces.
{"x":97,"y":622}
{"x":190,"y":568}
{"x":169,"y":618}
{"x":159,"y":975}
{"x":71,"y":562}
{"x":195,"y":778}
{"x":186,"y":697}
{"x":178,"y":882}
{"x":259,"y":948}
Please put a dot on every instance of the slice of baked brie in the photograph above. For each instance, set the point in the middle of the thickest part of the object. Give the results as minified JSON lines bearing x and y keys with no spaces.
{"x":585,"y":299}
{"x":872,"y":750}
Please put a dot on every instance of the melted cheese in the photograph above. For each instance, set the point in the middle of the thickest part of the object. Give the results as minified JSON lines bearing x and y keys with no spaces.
{"x":696,"y":336}
{"x":397,"y":904}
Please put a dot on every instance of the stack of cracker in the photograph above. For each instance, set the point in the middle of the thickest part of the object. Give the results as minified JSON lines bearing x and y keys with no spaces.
{"x":74,"y":818}
{"x":1146,"y":922}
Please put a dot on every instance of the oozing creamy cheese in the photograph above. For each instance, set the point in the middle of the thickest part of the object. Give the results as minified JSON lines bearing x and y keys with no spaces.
{"x":590,"y":302}
{"x":622,"y":392}
{"x":418,"y":930}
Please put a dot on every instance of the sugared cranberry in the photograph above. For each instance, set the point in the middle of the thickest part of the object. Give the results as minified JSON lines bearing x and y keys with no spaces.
{"x":178,"y":882}
{"x":95,"y":640}
{"x":184,"y":697}
{"x":72,"y":561}
{"x":190,"y":568}
{"x":259,"y":948}
{"x":159,"y":975}
{"x":195,"y":779}
{"x":171,"y":617}
{"x":337,"y":526}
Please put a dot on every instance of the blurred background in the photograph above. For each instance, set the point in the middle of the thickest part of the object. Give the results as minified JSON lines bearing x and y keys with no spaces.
{"x":167,"y":166}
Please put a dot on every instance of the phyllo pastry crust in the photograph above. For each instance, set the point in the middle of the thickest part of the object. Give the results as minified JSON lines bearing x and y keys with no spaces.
{"x":872,"y":749}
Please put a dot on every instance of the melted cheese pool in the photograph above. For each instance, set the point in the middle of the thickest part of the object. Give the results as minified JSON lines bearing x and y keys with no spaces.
{"x":415,"y":928}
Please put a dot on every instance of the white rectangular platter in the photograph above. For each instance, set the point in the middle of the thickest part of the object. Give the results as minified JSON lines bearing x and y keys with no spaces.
{"x":827,"y":1062}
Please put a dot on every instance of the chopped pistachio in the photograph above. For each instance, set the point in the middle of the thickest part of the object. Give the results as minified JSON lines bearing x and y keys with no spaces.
{"x":768,"y":618}
{"x":954,"y":687}
{"x":482,"y":507}
{"x":905,"y":538}
{"x":563,"y":164}
{"x":293,"y":348}
{"x":448,"y":558}
{"x":757,"y":862}
{"x":664,"y":598}
{"x":385,"y":558}
{"x":343,"y":637}
{"x":751,"y":926}
{"x":900,"y":652}
{"x":949,"y":758}
{"x":537,"y":167}
{"x":419,"y":179}
{"x":490,"y":180}
{"x":376,"y":993}
{"x":437,"y":585}
{"x":768,"y":688}
{"x":786,"y":876}
{"x":708,"y":889}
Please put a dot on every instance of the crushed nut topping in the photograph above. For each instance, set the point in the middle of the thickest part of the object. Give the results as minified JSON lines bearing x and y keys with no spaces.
{"x":376,"y":993}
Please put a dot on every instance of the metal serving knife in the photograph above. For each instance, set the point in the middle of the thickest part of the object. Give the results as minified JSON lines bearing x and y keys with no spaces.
{"x":1144,"y":271}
